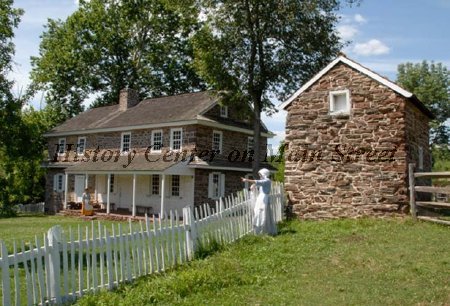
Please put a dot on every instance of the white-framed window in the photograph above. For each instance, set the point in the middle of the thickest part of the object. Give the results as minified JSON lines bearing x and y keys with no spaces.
{"x":224,"y":111}
{"x":58,"y":182}
{"x":217,"y":141}
{"x":61,"y":146}
{"x":111,"y":183}
{"x":157,"y":141}
{"x":420,"y":157}
{"x":175,"y":186}
{"x":176,"y":139}
{"x":155,"y":184}
{"x":250,"y":143}
{"x":81,"y":145}
{"x":340,"y":102}
{"x":125,"y":143}
{"x":216,"y":186}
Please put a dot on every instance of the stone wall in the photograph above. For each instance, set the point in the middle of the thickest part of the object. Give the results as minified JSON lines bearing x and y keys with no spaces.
{"x":233,"y":184}
{"x":348,"y":165}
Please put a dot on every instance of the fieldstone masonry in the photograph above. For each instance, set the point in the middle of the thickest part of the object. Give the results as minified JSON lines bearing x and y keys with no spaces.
{"x":352,"y":165}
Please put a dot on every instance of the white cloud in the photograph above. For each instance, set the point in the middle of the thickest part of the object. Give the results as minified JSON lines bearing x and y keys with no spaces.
{"x":347,"y":32}
{"x":359,"y":19}
{"x":372,"y":47}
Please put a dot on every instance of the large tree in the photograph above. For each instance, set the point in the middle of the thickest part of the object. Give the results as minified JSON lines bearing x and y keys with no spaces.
{"x":430,"y":82}
{"x":251,"y":50}
{"x":107,"y":45}
{"x":10,"y":108}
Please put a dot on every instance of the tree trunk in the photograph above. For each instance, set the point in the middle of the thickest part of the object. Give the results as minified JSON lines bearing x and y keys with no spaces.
{"x":256,"y":135}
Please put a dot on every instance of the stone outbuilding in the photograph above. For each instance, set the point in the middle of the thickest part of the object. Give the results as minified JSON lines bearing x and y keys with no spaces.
{"x":350,"y":134}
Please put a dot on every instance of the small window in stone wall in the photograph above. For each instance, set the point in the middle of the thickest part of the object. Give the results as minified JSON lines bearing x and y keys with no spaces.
{"x":339,"y":102}
{"x":420,"y":158}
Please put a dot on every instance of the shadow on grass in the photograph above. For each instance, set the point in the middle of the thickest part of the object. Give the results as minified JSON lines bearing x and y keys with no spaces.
{"x":286,"y":228}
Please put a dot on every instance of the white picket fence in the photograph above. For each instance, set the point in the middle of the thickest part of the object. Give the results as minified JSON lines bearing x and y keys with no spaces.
{"x":30,"y":208}
{"x":65,"y":265}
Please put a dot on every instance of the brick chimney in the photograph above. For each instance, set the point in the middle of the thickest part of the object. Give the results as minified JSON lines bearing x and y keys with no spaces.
{"x":128,"y":98}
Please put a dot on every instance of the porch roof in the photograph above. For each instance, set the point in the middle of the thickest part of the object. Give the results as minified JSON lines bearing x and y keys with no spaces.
{"x":157,"y":163}
{"x":221,"y":164}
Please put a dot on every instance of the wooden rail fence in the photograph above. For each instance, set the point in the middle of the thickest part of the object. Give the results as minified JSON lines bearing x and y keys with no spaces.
{"x":414,"y":189}
{"x":65,"y":265}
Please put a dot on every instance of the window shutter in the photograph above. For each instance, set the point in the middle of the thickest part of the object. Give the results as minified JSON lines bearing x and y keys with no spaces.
{"x":55,"y":182}
{"x":210,"y":186}
{"x":222,"y":184}
{"x":63,"y":188}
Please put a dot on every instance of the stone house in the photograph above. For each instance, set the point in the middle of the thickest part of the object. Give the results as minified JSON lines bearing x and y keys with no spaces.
{"x":350,"y":134}
{"x":150,"y":156}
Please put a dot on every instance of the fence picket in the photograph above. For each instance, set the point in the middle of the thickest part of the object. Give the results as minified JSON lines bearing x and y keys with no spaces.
{"x":80,"y":262}
{"x":109,"y":264}
{"x":72,"y":262}
{"x":150,"y":244}
{"x":156,"y":245}
{"x":33,"y":273}
{"x":101,"y":244}
{"x":16,"y":275}
{"x":6,"y":286}
{"x":115,"y":257}
{"x":144,"y":249}
{"x":94,"y":258}
{"x":65,"y":265}
{"x":40,"y":271}
{"x":88,"y":261}
{"x":122,"y":254}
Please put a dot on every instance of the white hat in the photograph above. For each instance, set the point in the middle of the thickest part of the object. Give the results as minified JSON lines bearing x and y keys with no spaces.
{"x":264,"y":173}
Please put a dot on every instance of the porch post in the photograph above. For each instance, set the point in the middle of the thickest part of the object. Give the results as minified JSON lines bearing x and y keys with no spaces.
{"x":107,"y":193}
{"x":163,"y":193}
{"x":86,"y":180}
{"x":134,"y":196}
{"x":66,"y":191}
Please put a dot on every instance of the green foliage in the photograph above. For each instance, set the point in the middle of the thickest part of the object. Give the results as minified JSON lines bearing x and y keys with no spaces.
{"x":10,"y":107}
{"x":278,"y":161}
{"x":106,"y":46}
{"x":430,"y":82}
{"x":441,"y":158}
{"x":249,"y":50}
{"x":205,"y":249}
{"x":352,"y":262}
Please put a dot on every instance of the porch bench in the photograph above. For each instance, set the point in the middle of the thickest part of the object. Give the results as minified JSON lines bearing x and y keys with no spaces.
{"x":144,"y":209}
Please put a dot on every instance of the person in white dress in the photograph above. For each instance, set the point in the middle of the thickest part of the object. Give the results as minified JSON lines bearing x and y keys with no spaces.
{"x":263,"y":220}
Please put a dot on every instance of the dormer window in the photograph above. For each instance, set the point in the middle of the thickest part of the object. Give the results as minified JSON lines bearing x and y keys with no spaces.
{"x":224,"y":111}
{"x":339,"y":102}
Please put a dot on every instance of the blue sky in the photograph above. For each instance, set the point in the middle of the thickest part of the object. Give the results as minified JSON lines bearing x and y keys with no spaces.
{"x":383,"y":34}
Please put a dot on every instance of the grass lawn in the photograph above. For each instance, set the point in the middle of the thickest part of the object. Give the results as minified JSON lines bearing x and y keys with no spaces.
{"x":343,"y":262}
{"x":26,"y":227}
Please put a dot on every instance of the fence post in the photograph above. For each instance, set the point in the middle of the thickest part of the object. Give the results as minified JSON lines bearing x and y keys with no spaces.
{"x":191,"y":233}
{"x":54,"y":237}
{"x":412,"y":191}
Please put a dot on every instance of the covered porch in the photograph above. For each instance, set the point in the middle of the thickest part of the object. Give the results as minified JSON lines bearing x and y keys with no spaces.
{"x":131,"y":191}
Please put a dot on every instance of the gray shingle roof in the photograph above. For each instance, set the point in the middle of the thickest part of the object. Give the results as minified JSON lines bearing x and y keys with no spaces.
{"x":149,"y":111}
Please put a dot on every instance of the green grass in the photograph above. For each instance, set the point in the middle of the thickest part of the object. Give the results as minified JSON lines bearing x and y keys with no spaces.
{"x":344,"y":262}
{"x":26,"y":227}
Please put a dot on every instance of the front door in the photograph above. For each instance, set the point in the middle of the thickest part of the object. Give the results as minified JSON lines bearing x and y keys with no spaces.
{"x":79,"y":187}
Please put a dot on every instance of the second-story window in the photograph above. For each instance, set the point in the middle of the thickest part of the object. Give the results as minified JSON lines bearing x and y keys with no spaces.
{"x":250,"y":143}
{"x":81,"y":146}
{"x":125,"y":143}
{"x":224,"y":111}
{"x":176,"y":139}
{"x":61,"y":146}
{"x":217,"y":141}
{"x":157,"y":141}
